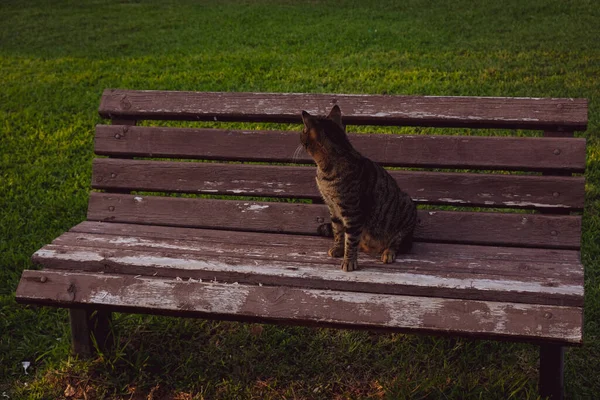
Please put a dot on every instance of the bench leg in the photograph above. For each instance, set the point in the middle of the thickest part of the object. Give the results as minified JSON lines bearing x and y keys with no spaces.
{"x":81,"y":344}
{"x":86,"y":324}
{"x":552,"y":372}
{"x":100,"y":324}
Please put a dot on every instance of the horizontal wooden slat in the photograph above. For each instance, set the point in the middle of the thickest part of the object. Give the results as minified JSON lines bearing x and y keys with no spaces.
{"x":535,"y":282}
{"x":302,"y":306}
{"x":426,"y":151}
{"x":475,"y":260}
{"x":526,"y":230}
{"x":484,"y":190}
{"x":463,"y":252}
{"x":481,"y":112}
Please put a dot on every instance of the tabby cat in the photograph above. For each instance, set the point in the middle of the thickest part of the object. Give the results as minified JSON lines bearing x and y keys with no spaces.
{"x":367,"y":208}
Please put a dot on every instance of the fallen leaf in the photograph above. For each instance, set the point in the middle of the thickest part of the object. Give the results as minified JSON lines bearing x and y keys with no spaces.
{"x":69,"y":391}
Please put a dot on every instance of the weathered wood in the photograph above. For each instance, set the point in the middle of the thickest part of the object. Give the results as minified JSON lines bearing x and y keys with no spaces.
{"x":566,"y":134}
{"x":426,"y":151}
{"x":522,"y":282}
{"x":81,"y":344}
{"x":525,"y":230}
{"x":552,"y":359}
{"x":281,"y":304}
{"x":457,"y":189}
{"x":480,"y":112}
{"x":424,"y":258}
{"x":216,"y":237}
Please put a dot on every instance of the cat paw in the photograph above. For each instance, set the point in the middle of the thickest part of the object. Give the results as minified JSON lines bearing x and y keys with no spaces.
{"x":349,"y":265}
{"x":388,"y":256}
{"x":336,"y":251}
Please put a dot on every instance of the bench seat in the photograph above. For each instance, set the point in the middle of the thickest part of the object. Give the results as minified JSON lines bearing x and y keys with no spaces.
{"x":509,"y":292}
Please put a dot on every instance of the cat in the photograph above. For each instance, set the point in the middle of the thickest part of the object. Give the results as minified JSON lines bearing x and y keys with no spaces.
{"x":367,"y":208}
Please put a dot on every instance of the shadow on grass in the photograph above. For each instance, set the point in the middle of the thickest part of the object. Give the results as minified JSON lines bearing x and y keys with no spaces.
{"x":174,"y":358}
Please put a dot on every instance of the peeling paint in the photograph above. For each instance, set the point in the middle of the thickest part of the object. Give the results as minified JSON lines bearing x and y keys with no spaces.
{"x":301,"y":270}
{"x":528,"y":204}
{"x":448,"y":200}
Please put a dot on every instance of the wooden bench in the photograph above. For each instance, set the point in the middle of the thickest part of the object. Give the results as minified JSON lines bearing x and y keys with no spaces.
{"x":506,"y":268}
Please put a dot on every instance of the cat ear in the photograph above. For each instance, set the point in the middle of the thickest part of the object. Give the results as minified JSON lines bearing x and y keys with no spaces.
{"x":336,"y":116}
{"x":307,"y":119}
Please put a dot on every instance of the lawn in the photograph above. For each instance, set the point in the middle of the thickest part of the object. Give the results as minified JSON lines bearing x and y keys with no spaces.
{"x":57,"y":57}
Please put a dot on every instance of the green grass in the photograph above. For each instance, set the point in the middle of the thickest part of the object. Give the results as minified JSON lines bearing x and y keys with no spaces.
{"x":55,"y":60}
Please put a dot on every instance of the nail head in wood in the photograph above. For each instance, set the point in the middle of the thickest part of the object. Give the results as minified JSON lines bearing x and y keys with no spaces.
{"x":111,"y":208}
{"x":113,"y":175}
{"x":555,"y":194}
{"x":43,"y":279}
{"x":548,"y":315}
{"x":556,"y":152}
{"x":118,"y":136}
{"x":553,"y":233}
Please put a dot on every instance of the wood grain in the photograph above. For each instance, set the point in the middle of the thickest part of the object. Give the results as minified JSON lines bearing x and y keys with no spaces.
{"x":456,"y":189}
{"x":464,"y":258}
{"x":524,"y":230}
{"x":302,"y":306}
{"x":424,"y":151}
{"x":479,"y":112}
{"x":534,"y":282}
{"x":420,"y":249}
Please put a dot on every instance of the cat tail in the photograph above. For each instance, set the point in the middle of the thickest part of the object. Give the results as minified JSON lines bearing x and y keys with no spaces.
{"x":325,"y":230}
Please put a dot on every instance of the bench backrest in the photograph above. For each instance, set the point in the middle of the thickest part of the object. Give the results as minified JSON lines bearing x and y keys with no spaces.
{"x":538,"y":208}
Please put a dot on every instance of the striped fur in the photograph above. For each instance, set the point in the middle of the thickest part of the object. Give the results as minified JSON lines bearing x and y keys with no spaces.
{"x":367,"y":208}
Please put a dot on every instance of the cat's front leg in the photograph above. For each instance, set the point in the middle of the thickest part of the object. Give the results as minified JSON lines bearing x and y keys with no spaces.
{"x":350,"y":262}
{"x":337,"y":250}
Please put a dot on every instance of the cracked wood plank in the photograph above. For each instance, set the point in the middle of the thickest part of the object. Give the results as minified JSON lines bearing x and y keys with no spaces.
{"x":420,"y":249}
{"x":522,"y":282}
{"x":303,"y":306}
{"x":463,"y":259}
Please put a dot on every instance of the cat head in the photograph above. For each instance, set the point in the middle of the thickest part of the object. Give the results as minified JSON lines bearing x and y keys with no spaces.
{"x":324,"y":135}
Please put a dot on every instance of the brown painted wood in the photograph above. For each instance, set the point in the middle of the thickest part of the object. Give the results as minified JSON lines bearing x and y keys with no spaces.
{"x":424,"y":151}
{"x":304,"y":306}
{"x":420,"y":249}
{"x":524,"y":230}
{"x":456,"y":189}
{"x":81,"y":344}
{"x":291,"y":249}
{"x":553,"y":134}
{"x":298,"y":265}
{"x":480,"y":112}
